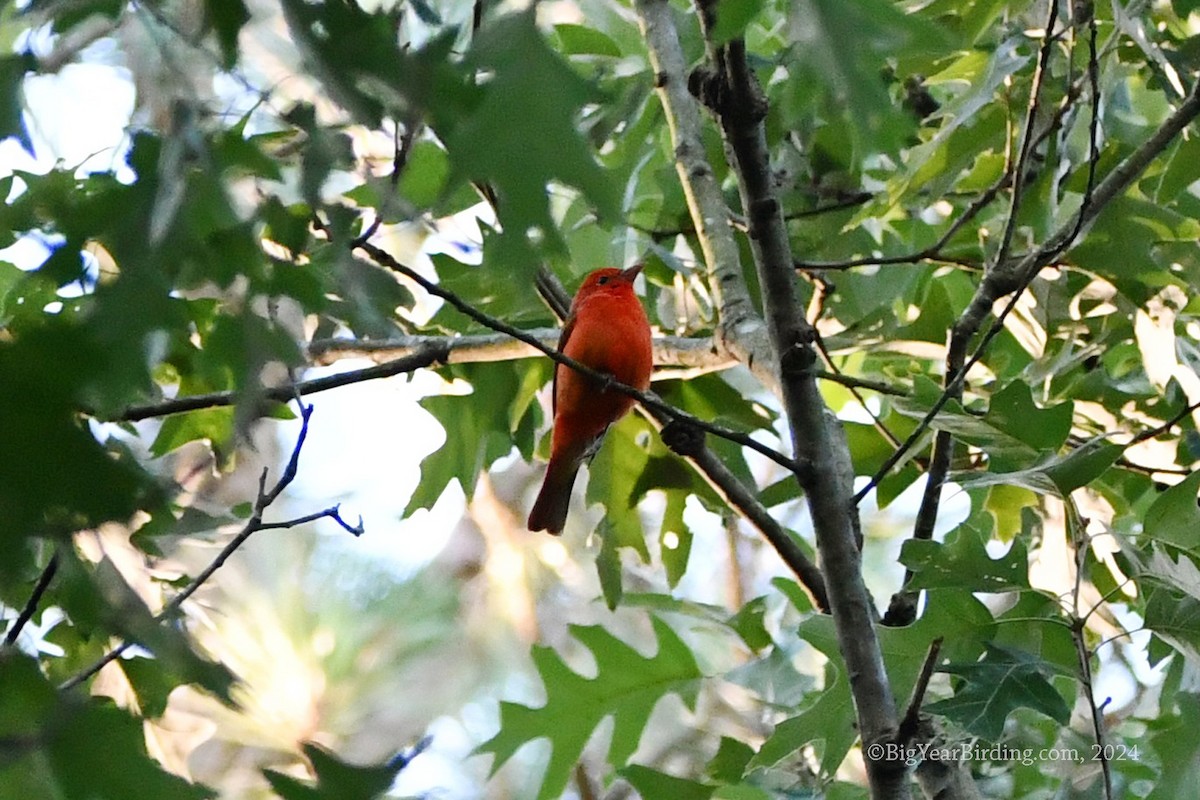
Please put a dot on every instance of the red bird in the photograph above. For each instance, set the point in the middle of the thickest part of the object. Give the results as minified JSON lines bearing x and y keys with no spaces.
{"x":608,"y":331}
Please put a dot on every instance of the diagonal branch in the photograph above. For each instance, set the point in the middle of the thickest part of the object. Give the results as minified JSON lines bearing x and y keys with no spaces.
{"x":689,"y":443}
{"x":35,"y":597}
{"x":993,"y":283}
{"x":648,"y":399}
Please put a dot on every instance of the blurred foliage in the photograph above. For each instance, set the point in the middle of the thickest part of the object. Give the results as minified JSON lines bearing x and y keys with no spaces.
{"x":221,"y":243}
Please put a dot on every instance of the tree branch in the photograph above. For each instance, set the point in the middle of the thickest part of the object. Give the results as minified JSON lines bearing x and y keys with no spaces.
{"x":254,"y":524}
{"x":730,"y":89}
{"x":741,"y":332}
{"x":35,"y":597}
{"x":993,"y":283}
{"x":422,"y":355}
{"x":648,"y":399}
{"x":691,"y":354}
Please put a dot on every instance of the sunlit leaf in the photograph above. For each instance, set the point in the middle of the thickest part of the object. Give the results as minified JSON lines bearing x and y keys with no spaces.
{"x":627,"y":686}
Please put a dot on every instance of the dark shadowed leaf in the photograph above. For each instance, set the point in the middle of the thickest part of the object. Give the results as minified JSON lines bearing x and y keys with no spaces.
{"x":1001,"y":682}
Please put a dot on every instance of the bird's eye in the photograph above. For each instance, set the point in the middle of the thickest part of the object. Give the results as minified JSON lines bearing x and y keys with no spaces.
{"x":603,"y":280}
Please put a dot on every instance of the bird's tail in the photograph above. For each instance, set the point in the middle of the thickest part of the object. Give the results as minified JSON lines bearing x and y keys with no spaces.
{"x":550,"y":509}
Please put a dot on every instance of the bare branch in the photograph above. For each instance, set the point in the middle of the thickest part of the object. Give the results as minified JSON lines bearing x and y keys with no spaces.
{"x":423,"y":355}
{"x":253,"y":524}
{"x":685,"y":353}
{"x":1174,"y":420}
{"x":741,"y":498}
{"x":1075,"y":527}
{"x":35,"y":597}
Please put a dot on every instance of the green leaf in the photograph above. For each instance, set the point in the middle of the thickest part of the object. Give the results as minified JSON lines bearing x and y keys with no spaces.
{"x":954,"y":615}
{"x":425,"y":174}
{"x":749,"y":624}
{"x":675,"y":538}
{"x":12,"y":77}
{"x":212,"y":425}
{"x":56,"y":745}
{"x":103,"y":600}
{"x":355,"y":52}
{"x":712,"y":397}
{"x":504,"y":293}
{"x":1182,"y":575}
{"x":841,"y":49}
{"x":1013,"y":411}
{"x":732,"y":18}
{"x":336,"y":779}
{"x":521,"y":134}
{"x":1174,"y":517}
{"x":796,"y":595}
{"x":1082,"y":465}
{"x":226,"y":18}
{"x":45,"y":375}
{"x":1170,"y":735}
{"x":1005,"y":451}
{"x":613,"y":476}
{"x":654,"y":785}
{"x":829,"y":719}
{"x":1001,"y":682}
{"x":729,"y":764}
{"x":479,"y":429}
{"x":1174,"y":618}
{"x":627,"y":686}
{"x":1006,"y":503}
{"x":963,"y":563}
{"x":151,"y":682}
{"x":582,"y":40}
{"x":1058,"y":475}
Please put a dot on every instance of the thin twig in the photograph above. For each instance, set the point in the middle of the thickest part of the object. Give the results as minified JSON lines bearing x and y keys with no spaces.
{"x":935,"y":252}
{"x":1027,"y":137}
{"x":253,"y":525}
{"x":1078,"y":628}
{"x":910,"y":722}
{"x":965,"y":328}
{"x":401,"y":149}
{"x":1175,"y":419}
{"x":35,"y":597}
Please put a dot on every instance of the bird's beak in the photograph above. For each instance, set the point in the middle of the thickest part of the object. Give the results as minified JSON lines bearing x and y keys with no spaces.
{"x":631,"y":273}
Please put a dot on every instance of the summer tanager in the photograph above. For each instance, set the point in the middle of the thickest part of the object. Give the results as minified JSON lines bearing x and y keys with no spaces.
{"x":607,"y":330}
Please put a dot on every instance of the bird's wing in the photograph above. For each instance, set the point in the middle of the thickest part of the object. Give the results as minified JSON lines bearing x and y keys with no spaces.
{"x":562,"y":345}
